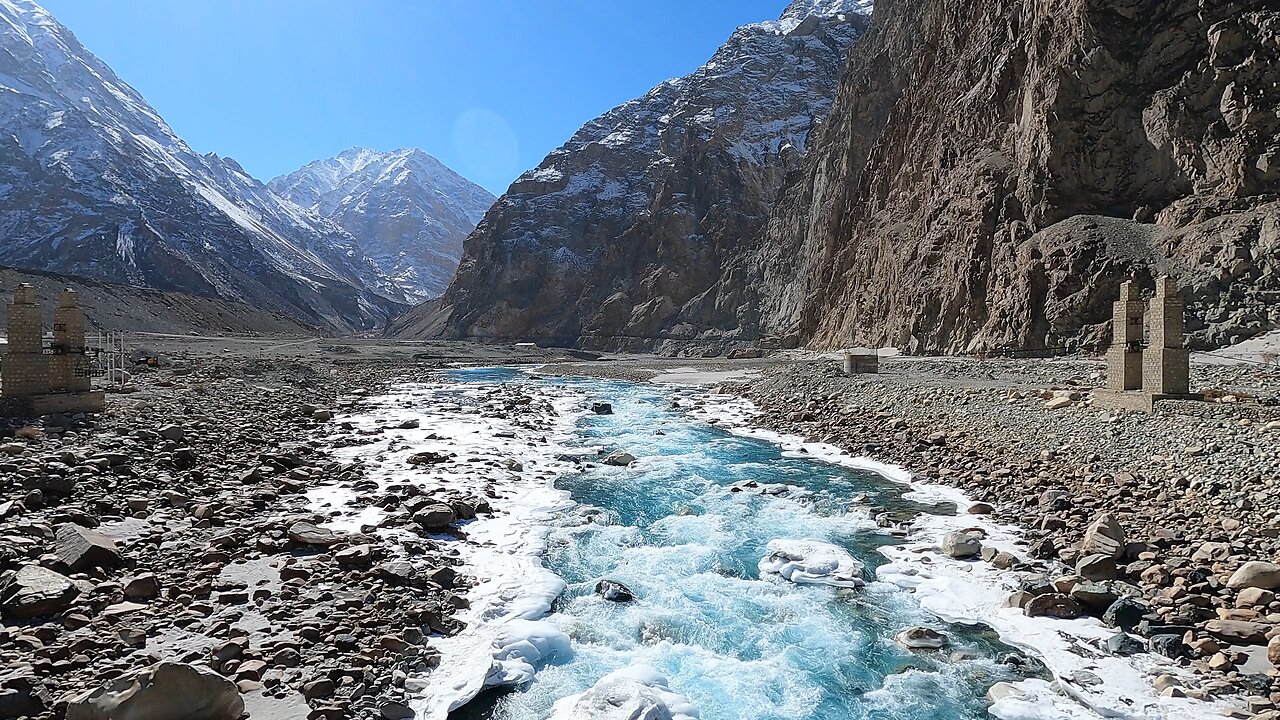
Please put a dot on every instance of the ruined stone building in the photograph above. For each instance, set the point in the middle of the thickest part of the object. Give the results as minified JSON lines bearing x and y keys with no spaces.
{"x":38,"y":380}
{"x":1148,"y":359}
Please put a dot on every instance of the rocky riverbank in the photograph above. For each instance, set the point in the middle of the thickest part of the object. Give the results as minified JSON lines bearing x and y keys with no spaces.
{"x":1164,"y":526}
{"x":176,"y":527}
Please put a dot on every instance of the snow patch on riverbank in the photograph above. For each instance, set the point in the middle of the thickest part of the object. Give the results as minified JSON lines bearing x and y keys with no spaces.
{"x":971,"y":593}
{"x":504,"y":637}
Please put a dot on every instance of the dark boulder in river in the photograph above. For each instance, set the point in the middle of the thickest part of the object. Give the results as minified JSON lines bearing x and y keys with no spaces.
{"x":614,"y":591}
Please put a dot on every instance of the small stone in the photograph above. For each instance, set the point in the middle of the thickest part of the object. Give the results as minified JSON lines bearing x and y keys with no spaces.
{"x":1221,"y":662}
{"x":143,"y":586}
{"x":602,"y":408}
{"x":1165,"y":681}
{"x":619,"y":458}
{"x":318,"y":689}
{"x":1211,"y":552}
{"x":922,"y":638}
{"x":1104,"y":537}
{"x":394,"y":644}
{"x":1170,"y":646}
{"x":1084,"y":678}
{"x":1123,"y":644}
{"x":1002,"y":690}
{"x":355,"y":555}
{"x":173,"y":433}
{"x":396,"y":711}
{"x":1204,"y":647}
{"x":1254,"y":597}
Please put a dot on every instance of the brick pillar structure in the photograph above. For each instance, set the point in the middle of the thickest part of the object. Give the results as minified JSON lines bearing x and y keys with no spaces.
{"x":68,"y":365}
{"x":1166,"y":367}
{"x":1124,"y":357}
{"x":24,"y":370}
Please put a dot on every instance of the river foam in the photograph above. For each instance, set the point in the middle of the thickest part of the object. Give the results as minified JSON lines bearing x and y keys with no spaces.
{"x":966,"y":592}
{"x":689,"y":528}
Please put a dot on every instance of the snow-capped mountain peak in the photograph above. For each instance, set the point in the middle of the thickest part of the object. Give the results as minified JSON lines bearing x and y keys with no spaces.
{"x":409,"y":212}
{"x":93,"y":182}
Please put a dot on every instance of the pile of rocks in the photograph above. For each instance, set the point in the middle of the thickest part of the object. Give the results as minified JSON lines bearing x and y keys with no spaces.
{"x":1165,"y":526}
{"x":169,"y":540}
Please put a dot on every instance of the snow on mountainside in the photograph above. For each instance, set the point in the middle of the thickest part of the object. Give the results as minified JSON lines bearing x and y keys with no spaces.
{"x":626,"y":235}
{"x":94,"y":183}
{"x":407,"y":210}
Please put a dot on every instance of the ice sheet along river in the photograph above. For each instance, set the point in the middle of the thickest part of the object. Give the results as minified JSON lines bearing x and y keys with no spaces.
{"x":679,"y":529}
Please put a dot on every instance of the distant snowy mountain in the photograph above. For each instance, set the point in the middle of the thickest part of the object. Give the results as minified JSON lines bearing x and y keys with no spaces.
{"x":93,"y":182}
{"x":408,"y":211}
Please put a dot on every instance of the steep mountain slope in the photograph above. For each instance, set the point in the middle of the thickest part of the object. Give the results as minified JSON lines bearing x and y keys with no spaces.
{"x":620,"y":237}
{"x":407,"y":210}
{"x":992,"y":170}
{"x":93,"y":182}
{"x":109,"y":306}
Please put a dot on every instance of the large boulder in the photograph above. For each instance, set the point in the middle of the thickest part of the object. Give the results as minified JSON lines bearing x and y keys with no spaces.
{"x":1097,"y":567}
{"x":32,"y":591}
{"x":83,"y":549}
{"x":22,"y":695}
{"x":1125,"y":613}
{"x":305,"y":533}
{"x":1273,"y":651}
{"x":922,"y":638}
{"x":1104,"y":536}
{"x":1053,"y":605}
{"x":166,"y":691}
{"x":1238,"y":632}
{"x":436,"y":516}
{"x":961,"y":544}
{"x":1256,"y":574}
{"x":614,"y":591}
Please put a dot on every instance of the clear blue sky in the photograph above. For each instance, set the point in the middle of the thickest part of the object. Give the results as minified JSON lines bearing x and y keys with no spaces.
{"x":489,"y":87}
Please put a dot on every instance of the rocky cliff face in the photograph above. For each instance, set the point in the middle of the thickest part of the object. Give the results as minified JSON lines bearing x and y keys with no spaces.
{"x":992,"y":170}
{"x":94,"y":183}
{"x":407,"y":210}
{"x":627,"y":235}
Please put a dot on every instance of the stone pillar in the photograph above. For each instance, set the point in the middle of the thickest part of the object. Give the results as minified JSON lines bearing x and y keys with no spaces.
{"x":856,"y":363}
{"x":24,"y":370}
{"x":1124,"y":357}
{"x":69,"y":366}
{"x":1166,"y":368}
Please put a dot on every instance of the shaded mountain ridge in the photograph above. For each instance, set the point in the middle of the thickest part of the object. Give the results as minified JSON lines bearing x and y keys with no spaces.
{"x":621,"y":237}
